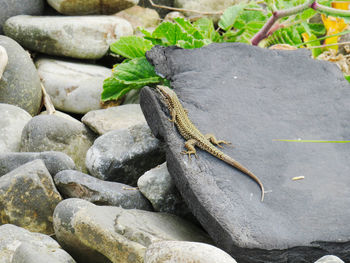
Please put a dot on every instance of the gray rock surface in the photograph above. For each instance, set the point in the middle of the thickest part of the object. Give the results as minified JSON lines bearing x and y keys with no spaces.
{"x":16,"y":88}
{"x":9,"y":8}
{"x":72,"y":184}
{"x":268,"y":95}
{"x":94,"y":234}
{"x":73,"y":87}
{"x":84,"y":37}
{"x":29,"y":253}
{"x":28,"y":197}
{"x":54,"y":161}
{"x":124,"y":155}
{"x":12,"y":121}
{"x":114,"y":118}
{"x":185,"y":252}
{"x":53,"y":133}
{"x":159,"y":188}
{"x":91,"y":7}
{"x":329,"y":259}
{"x":16,"y":242}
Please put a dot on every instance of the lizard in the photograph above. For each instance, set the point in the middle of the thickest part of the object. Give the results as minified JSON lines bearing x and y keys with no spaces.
{"x":194,"y":137}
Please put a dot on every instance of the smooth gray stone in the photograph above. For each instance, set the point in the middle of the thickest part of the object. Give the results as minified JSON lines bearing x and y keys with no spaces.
{"x":28,"y":197}
{"x":159,"y":188}
{"x":251,"y":97}
{"x":10,"y":8}
{"x":82,"y":37}
{"x":72,"y":184}
{"x":114,"y":118}
{"x":91,"y":7}
{"x":17,"y":88}
{"x":28,"y":253}
{"x":54,"y":161}
{"x":55,"y":133}
{"x":124,"y":155}
{"x":72,"y":86}
{"x":94,"y":234}
{"x":185,"y":252}
{"x":329,"y":259}
{"x":12,"y":121}
{"x":16,"y":241}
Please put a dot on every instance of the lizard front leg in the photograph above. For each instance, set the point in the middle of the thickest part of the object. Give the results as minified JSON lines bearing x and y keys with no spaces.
{"x":190,"y":147}
{"x":210,"y":137}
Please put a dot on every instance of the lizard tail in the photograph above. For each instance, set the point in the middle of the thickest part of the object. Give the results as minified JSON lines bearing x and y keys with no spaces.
{"x":241,"y":168}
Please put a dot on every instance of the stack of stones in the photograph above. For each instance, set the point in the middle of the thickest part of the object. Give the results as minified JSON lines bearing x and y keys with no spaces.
{"x":90,"y":184}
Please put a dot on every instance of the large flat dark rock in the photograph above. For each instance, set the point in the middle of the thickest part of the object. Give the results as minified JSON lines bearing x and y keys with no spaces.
{"x":252,"y":96}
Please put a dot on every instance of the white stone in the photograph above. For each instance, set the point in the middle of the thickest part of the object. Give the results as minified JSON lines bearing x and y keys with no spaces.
{"x":12,"y":121}
{"x":114,"y":118}
{"x":73,"y":87}
{"x":84,"y":37}
{"x":185,"y":252}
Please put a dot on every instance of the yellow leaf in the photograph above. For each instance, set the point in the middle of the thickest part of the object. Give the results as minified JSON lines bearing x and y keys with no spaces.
{"x":334,"y":25}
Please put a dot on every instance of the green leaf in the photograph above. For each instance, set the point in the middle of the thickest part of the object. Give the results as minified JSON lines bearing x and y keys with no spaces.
{"x":315,"y":51}
{"x":207,"y":29}
{"x":170,"y":33}
{"x":133,"y":74}
{"x":347,"y":77}
{"x":307,"y":14}
{"x":189,"y":28}
{"x":131,"y":47}
{"x":230,"y":15}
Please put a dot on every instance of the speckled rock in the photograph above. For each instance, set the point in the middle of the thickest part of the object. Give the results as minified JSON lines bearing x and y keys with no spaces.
{"x":16,"y":88}
{"x":28,"y":197}
{"x":18,"y":245}
{"x":159,"y":188}
{"x":140,"y":17}
{"x":72,"y":86}
{"x":9,"y":8}
{"x":124,"y":155}
{"x":93,"y":234}
{"x":85,"y":37}
{"x":114,"y":118}
{"x":53,"y":133}
{"x":91,"y":7}
{"x":12,"y":121}
{"x":185,"y":252}
{"x":205,"y":6}
{"x":74,"y":184}
{"x":54,"y":161}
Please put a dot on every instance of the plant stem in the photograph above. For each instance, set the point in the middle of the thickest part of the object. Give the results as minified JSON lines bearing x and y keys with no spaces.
{"x":330,"y":11}
{"x":264,"y":31}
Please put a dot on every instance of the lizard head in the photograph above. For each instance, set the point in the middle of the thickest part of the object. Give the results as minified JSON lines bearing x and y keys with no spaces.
{"x":167,"y":94}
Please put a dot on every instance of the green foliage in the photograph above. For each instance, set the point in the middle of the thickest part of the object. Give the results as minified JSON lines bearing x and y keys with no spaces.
{"x":132,"y":74}
{"x":136,"y":72}
{"x":239,"y":23}
{"x":131,"y":47}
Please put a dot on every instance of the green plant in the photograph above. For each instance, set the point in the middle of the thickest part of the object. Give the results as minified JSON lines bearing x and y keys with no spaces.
{"x":245,"y":22}
{"x":135,"y":71}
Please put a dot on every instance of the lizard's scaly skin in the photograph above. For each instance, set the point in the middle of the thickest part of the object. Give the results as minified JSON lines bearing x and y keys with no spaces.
{"x":195,"y":138}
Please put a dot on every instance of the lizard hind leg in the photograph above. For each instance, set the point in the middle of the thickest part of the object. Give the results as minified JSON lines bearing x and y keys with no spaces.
{"x":189,"y":145}
{"x":211,"y":137}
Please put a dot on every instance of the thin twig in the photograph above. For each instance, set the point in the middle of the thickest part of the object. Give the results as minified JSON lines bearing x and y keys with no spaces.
{"x":185,"y":10}
{"x":47,"y":101}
